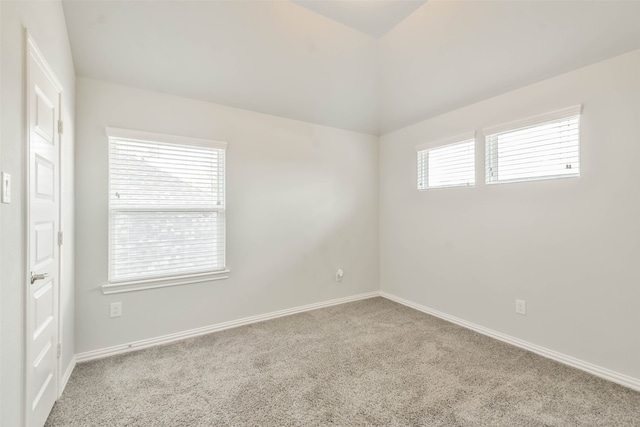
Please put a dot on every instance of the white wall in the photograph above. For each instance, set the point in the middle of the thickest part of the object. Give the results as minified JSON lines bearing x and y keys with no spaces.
{"x":45,"y":21}
{"x":302,"y":201}
{"x":570,"y":248}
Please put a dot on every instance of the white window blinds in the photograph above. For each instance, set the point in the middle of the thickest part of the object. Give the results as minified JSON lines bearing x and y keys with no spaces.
{"x":449,"y":165}
{"x":166,"y":206}
{"x":543,"y":147}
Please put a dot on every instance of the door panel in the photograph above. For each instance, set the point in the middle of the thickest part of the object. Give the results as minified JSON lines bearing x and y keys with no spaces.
{"x":42,"y":297}
{"x":44,"y":244}
{"x":45,"y":116}
{"x":44,"y":175}
{"x":43,"y":312}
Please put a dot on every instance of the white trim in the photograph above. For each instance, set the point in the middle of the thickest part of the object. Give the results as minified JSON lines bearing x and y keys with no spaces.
{"x":165,"y":339}
{"x":530,"y":179}
{"x":1,"y":128}
{"x":446,"y":141}
{"x":163,"y":282}
{"x":66,"y":376}
{"x":574,"y":110}
{"x":26,"y":204}
{"x":217,"y":208}
{"x":159,"y":137}
{"x":616,"y":377}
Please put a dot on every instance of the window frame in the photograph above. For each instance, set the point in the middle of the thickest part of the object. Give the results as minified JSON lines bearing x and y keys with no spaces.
{"x":129,"y":285}
{"x":530,"y":122}
{"x":439,"y":144}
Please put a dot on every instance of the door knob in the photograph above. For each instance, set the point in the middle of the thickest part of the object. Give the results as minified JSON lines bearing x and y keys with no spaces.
{"x":35,"y":277}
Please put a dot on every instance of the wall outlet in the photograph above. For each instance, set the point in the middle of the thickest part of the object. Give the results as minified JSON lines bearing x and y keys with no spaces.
{"x":115,"y":309}
{"x":521,"y":306}
{"x":339,"y":274}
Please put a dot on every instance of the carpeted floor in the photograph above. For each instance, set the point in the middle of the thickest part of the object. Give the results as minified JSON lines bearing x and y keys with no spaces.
{"x":371,"y":362}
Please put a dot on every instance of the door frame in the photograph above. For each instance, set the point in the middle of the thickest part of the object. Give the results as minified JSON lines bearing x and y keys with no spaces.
{"x":31,"y":50}
{"x":1,"y":399}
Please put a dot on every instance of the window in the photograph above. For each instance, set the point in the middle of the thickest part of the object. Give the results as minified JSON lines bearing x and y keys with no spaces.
{"x":166,"y":207}
{"x":543,"y":147}
{"x":451,"y":164}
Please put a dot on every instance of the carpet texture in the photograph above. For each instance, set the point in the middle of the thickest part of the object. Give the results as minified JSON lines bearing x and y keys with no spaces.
{"x":371,"y":362}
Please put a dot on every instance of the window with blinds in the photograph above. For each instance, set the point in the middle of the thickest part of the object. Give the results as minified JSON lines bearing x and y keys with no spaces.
{"x":451,"y":164}
{"x":166,"y":206}
{"x":543,"y":147}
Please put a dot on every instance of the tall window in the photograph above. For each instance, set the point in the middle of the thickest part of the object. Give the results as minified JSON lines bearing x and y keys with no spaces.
{"x":543,"y":147}
{"x":450,"y":164}
{"x":166,"y":206}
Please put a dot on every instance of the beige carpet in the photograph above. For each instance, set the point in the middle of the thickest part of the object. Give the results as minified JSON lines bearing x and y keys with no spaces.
{"x":372,"y":362}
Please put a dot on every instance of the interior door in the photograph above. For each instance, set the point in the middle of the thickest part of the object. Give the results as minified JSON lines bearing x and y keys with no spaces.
{"x":43,"y":105}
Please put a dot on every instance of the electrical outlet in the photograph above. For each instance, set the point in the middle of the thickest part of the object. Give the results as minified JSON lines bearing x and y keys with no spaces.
{"x":339,"y":274}
{"x":115,"y":309}
{"x":521,"y":306}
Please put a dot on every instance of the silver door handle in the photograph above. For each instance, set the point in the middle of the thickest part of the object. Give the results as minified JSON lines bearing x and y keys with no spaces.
{"x":35,"y":277}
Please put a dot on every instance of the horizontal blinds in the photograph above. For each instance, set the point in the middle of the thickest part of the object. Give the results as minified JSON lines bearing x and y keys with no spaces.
{"x":156,"y":244}
{"x":447,"y":166}
{"x":543,"y":150}
{"x":166,"y":203}
{"x":161,"y":175}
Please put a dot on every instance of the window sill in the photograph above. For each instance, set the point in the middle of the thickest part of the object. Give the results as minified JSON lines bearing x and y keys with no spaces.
{"x":140,"y":285}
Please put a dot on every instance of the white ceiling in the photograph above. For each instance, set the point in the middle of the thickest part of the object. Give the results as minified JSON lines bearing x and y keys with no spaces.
{"x":449,"y":54}
{"x":373,"y":17}
{"x":273,"y":57}
{"x":280,"y":58}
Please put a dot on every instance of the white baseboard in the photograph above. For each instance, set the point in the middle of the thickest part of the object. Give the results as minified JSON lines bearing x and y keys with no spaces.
{"x":67,"y":374}
{"x":616,"y":377}
{"x":165,"y":339}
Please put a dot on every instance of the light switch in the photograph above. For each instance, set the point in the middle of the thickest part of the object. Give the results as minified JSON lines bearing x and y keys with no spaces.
{"x":6,"y":187}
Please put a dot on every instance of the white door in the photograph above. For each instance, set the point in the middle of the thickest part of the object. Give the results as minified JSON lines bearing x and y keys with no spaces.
{"x":43,"y":107}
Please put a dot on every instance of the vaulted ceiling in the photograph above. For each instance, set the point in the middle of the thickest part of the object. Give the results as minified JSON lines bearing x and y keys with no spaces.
{"x":365,"y":65}
{"x":373,"y":17}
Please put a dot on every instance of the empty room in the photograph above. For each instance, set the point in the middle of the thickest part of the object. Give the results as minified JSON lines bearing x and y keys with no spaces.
{"x":319,"y":212}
